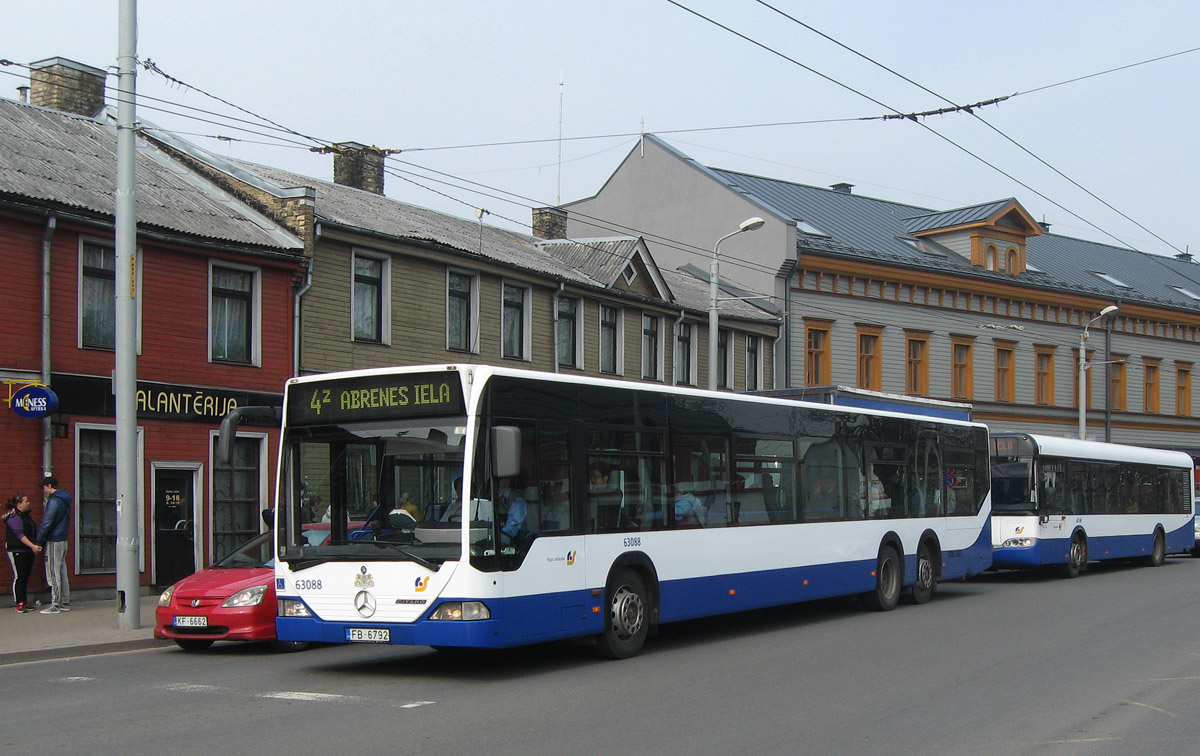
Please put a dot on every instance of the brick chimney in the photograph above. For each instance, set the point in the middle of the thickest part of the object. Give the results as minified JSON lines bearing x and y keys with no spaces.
{"x":358,"y":166}
{"x":68,"y":86}
{"x":549,"y":223}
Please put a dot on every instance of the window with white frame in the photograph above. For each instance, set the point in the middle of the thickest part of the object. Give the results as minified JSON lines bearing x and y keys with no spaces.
{"x":753,"y":363}
{"x":685,"y":355}
{"x":97,"y":292}
{"x":514,"y":337}
{"x":724,"y":336}
{"x":371,"y":295}
{"x":233,"y":314}
{"x":462,"y":304}
{"x":566,"y":332}
{"x":651,"y":348}
{"x":611,"y":340}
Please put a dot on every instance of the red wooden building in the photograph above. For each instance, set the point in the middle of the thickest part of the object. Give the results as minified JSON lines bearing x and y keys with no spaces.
{"x":217,"y":286}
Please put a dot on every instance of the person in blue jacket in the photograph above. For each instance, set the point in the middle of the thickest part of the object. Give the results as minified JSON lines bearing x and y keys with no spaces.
{"x":52,"y":536}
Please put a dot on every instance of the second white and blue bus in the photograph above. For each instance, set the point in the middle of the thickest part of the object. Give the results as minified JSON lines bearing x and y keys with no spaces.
{"x":479,"y":506}
{"x":1063,"y":502}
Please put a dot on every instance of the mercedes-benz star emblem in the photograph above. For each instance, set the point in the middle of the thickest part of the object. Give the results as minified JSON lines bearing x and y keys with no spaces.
{"x":364,"y":603}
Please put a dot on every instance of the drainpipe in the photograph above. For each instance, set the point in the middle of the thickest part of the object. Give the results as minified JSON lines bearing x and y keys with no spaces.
{"x":675,"y":351}
{"x":47,"y":428}
{"x":296,"y":319}
{"x":554,"y":325}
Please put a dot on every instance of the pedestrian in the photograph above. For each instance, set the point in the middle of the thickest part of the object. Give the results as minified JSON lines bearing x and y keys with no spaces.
{"x":53,"y":537}
{"x":20,"y":532}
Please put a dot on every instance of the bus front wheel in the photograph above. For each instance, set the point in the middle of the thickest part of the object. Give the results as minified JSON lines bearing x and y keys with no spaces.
{"x":888,"y":579}
{"x":1076,"y":558}
{"x":1158,"y":552}
{"x":626,"y":622}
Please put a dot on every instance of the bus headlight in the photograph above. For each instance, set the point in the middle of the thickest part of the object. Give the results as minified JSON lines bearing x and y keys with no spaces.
{"x":1012,"y":543}
{"x":293,"y":608}
{"x":461,"y":610}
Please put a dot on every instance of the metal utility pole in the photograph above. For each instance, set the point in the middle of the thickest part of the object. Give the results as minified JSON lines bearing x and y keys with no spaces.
{"x":125,"y":367}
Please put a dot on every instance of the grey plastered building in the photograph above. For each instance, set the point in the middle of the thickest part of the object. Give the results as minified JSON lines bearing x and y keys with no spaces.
{"x":978,"y":304}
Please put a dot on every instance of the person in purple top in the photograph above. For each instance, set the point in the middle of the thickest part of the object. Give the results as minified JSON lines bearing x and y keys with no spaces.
{"x":20,"y":532}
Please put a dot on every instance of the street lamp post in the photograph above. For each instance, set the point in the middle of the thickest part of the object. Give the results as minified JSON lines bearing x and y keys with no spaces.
{"x":1083,"y":367}
{"x":750,"y":224}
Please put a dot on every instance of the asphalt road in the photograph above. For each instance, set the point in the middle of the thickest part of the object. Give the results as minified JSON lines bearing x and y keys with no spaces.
{"x":1006,"y":664}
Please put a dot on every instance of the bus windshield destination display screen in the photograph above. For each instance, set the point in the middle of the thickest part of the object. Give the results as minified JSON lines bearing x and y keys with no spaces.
{"x":377,"y":397}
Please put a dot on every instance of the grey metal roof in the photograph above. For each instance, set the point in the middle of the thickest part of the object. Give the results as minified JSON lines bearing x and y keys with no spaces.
{"x":692,"y":292}
{"x":880,"y":230}
{"x":602,"y":259}
{"x":69,"y":161}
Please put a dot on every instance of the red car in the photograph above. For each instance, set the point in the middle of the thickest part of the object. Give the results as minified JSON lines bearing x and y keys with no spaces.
{"x":232,"y":600}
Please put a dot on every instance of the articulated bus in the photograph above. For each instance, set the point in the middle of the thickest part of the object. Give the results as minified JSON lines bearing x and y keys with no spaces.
{"x":1063,"y":502}
{"x":478,"y":506}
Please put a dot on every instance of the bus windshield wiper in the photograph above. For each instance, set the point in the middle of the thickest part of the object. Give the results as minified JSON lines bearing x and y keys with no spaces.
{"x":405,"y":552}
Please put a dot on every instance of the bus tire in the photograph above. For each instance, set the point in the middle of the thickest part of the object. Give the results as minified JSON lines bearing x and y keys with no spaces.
{"x":1158,"y":552}
{"x":888,"y":579}
{"x":627,"y":617}
{"x":1076,"y":558}
{"x":926,"y":581}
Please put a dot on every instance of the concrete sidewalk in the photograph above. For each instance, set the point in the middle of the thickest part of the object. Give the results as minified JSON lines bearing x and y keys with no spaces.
{"x":91,"y":627}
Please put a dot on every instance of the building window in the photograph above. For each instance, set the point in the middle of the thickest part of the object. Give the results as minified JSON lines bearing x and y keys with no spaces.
{"x":611,"y":340}
{"x":962,"y":368}
{"x":991,"y":258}
{"x":916,"y":366}
{"x":1087,"y":379}
{"x":1013,"y":258}
{"x":684,"y":355}
{"x":1183,"y":388}
{"x":816,"y":353}
{"x":753,"y":363}
{"x":1117,"y":384}
{"x":515,"y":322}
{"x":369,"y":298}
{"x":1006,"y":387}
{"x":96,"y":532}
{"x":870,"y":364}
{"x":236,"y":499}
{"x":1043,"y":380}
{"x":723,"y":353}
{"x":651,"y":344}
{"x":97,"y":297}
{"x":567,"y":332}
{"x":460,"y":312}
{"x":232,"y":314}
{"x":1150,"y":384}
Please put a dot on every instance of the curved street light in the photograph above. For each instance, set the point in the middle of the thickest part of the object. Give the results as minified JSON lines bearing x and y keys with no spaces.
{"x":1083,"y":337}
{"x":750,"y":224}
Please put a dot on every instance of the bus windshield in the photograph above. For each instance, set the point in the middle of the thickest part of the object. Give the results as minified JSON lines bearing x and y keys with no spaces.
{"x":385,"y":489}
{"x":1011,"y":484}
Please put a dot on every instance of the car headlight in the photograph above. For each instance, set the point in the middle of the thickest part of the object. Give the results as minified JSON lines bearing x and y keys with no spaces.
{"x":246,"y":597}
{"x":1017,"y":542}
{"x":293,"y":608}
{"x":461,"y":610}
{"x":165,"y":598}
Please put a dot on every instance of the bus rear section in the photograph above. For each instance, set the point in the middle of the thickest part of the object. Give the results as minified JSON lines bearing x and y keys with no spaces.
{"x":1064,"y":502}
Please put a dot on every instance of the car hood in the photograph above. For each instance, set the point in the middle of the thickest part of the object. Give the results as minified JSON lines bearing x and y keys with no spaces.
{"x":223,"y":582}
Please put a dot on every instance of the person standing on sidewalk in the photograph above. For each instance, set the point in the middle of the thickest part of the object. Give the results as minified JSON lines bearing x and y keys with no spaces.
{"x":20,"y":532}
{"x":53,"y":537}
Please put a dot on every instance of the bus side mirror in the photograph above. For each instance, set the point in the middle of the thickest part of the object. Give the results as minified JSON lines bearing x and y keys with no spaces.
{"x":229,"y":426}
{"x":506,"y":451}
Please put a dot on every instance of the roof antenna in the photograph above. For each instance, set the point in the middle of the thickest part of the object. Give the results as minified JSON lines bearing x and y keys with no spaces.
{"x":558,"y":188}
{"x":479,"y":213}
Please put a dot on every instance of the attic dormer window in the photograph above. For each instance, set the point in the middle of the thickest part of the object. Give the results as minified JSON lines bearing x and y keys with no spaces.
{"x":629,"y":274}
{"x":809,"y":229}
{"x":1186,"y":292}
{"x":1110,"y":279}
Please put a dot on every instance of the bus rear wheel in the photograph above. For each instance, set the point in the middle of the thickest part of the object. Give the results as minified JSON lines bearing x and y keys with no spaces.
{"x":888,"y":580}
{"x":1076,"y":558}
{"x":1158,"y":552}
{"x":626,"y":622}
{"x":926,"y":579}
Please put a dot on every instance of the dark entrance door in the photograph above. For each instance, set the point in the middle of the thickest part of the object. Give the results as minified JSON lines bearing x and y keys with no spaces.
{"x":174,"y":526}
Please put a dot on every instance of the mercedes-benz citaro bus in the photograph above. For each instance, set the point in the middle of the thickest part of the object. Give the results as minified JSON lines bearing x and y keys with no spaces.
{"x":1065,"y":502}
{"x":478,"y":506}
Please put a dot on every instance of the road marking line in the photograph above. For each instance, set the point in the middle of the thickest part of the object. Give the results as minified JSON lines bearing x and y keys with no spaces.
{"x":1152,"y":708}
{"x":1072,"y":740}
{"x":300,"y":695}
{"x":416,"y":704}
{"x":190,"y":687}
{"x":75,"y":679}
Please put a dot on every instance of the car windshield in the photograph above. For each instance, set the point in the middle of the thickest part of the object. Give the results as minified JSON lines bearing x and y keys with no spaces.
{"x":387,"y":490}
{"x":256,"y":552}
{"x":1010,"y":485}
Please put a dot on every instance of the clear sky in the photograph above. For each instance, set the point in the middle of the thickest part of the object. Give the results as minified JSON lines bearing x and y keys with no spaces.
{"x":417,"y":75}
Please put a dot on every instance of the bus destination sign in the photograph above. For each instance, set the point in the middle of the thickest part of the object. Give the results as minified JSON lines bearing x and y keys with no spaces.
{"x":375,"y":397}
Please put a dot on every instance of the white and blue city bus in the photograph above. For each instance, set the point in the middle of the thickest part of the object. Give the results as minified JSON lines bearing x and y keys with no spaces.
{"x":1064,"y":502}
{"x":477,"y":506}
